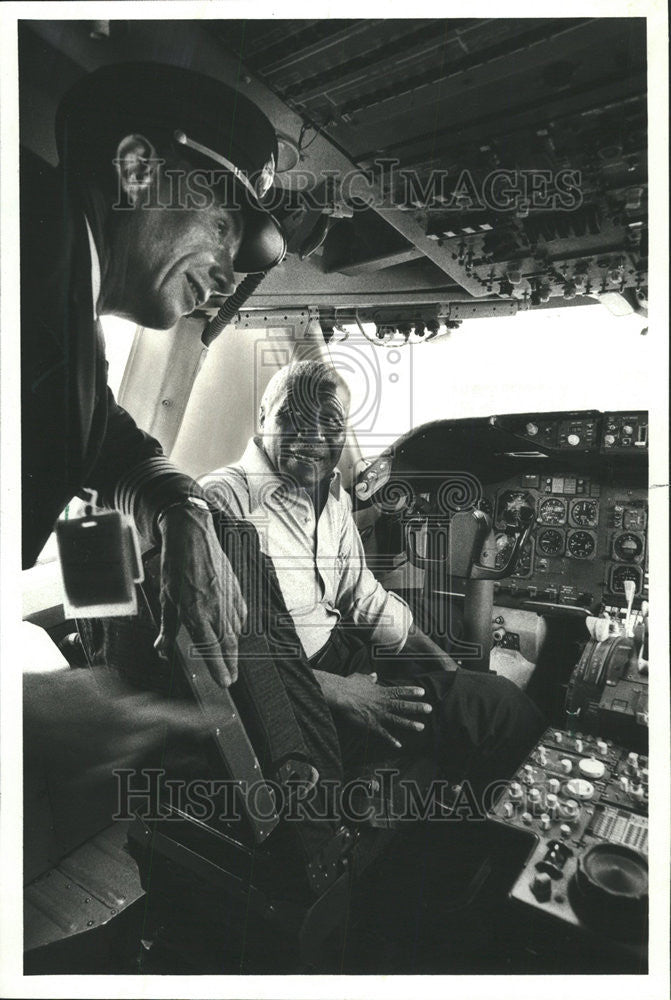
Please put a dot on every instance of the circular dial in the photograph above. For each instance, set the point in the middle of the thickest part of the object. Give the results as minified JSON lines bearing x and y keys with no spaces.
{"x":515,"y":508}
{"x":585,"y":513}
{"x":504,"y":545}
{"x":627,"y":547}
{"x":634,"y":520}
{"x":550,"y":542}
{"x":581,"y":544}
{"x":619,"y":574}
{"x":552,"y":511}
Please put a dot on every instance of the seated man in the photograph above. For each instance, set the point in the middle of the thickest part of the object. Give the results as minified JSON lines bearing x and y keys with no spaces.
{"x":383,"y":679}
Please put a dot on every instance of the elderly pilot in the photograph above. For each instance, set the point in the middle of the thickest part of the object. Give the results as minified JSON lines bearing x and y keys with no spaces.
{"x":380,"y":674}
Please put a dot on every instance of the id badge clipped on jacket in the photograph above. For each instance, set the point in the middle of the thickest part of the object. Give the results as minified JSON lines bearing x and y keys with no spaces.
{"x":100,"y":561}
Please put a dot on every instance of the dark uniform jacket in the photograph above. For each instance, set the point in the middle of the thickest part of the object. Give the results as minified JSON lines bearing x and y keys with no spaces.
{"x":74,"y":434}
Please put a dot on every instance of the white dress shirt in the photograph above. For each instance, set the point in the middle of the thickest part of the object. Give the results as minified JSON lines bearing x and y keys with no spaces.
{"x":321,"y":567}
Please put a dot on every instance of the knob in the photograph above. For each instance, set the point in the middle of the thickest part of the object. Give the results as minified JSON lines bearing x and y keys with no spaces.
{"x":534,"y":797}
{"x":552,"y":803}
{"x":554,"y":784}
{"x":542,"y":756}
{"x":558,"y":737}
{"x":542,"y":887}
{"x":515,"y":790}
{"x":531,"y":429}
{"x":565,"y":831}
{"x":624,"y":783}
{"x":602,"y":746}
{"x":528,"y":777}
{"x":546,"y":822}
{"x":609,"y":440}
{"x":573,"y":440}
{"x":508,"y":810}
{"x":580,"y":787}
{"x":571,"y":809}
{"x":628,"y":430}
{"x":638,"y":793}
{"x":527,"y":818}
{"x":632,"y":762}
{"x":566,"y":765}
{"x":592,"y":768}
{"x":579,"y":745}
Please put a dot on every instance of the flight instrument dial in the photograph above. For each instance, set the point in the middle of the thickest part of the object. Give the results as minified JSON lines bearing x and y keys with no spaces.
{"x":550,"y":542}
{"x":581,"y":544}
{"x":584,"y":513}
{"x":552,"y":511}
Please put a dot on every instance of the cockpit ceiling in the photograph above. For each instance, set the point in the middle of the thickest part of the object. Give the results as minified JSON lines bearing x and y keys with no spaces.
{"x":436,"y":91}
{"x":507,"y":158}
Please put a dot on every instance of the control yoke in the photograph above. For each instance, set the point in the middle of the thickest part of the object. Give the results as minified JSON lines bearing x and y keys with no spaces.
{"x":461,"y":545}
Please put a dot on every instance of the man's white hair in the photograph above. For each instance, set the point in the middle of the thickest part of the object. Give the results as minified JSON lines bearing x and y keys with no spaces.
{"x":304,"y":379}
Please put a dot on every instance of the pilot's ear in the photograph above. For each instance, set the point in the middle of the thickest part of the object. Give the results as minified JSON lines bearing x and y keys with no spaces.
{"x":136,"y":164}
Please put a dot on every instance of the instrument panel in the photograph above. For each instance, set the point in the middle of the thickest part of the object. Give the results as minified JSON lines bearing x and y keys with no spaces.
{"x":589,"y":537}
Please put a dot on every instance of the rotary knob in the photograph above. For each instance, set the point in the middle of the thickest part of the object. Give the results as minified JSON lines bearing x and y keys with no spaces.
{"x":628,"y":430}
{"x":558,"y":737}
{"x":573,"y":440}
{"x":542,"y":887}
{"x":546,"y":822}
{"x":554,"y":784}
{"x":528,"y":777}
{"x":565,"y":831}
{"x":527,"y":818}
{"x":580,"y":788}
{"x":552,"y":804}
{"x":542,"y":756}
{"x":508,"y":810}
{"x":592,"y":768}
{"x":531,"y":429}
{"x":571,"y":810}
{"x":602,"y":747}
{"x":566,"y":765}
{"x":624,"y":783}
{"x":609,"y":440}
{"x":534,"y":799}
{"x":579,"y":745}
{"x":515,"y":791}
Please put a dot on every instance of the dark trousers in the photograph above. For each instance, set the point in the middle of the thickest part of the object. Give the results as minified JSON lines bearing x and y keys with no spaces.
{"x":480,"y":728}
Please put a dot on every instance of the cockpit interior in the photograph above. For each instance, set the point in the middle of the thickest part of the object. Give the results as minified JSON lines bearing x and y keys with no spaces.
{"x":465,"y":205}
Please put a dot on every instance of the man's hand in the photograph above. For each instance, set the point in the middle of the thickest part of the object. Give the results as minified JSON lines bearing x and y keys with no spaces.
{"x":366,"y":704}
{"x":199,"y":590}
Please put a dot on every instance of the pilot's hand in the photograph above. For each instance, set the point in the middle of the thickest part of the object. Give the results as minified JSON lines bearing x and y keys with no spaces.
{"x":199,"y":590}
{"x":366,"y":704}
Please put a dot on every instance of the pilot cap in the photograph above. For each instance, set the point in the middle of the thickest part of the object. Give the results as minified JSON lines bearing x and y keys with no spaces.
{"x":208,"y":122}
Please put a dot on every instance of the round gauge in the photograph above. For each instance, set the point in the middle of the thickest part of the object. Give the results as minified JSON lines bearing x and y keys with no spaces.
{"x":552,"y":511}
{"x":581,"y":544}
{"x":627,"y":547}
{"x":504,"y":546}
{"x":619,"y":574}
{"x":550,"y":542}
{"x":515,"y":507}
{"x":634,"y":520}
{"x":585,"y":513}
